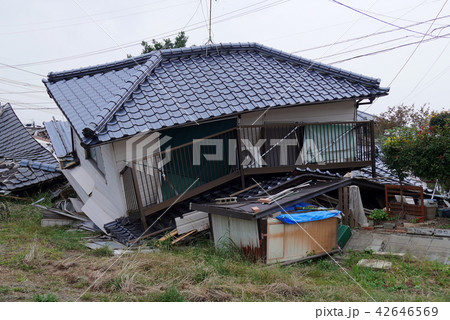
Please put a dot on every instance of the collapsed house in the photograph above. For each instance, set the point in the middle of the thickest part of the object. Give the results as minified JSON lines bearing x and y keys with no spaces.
{"x":24,"y":163}
{"x":165,"y":127}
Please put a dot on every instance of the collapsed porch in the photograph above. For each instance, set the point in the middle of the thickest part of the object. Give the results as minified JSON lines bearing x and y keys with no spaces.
{"x":156,"y":181}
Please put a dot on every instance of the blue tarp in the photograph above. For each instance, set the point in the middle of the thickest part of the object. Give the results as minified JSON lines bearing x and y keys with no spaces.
{"x":293,"y":218}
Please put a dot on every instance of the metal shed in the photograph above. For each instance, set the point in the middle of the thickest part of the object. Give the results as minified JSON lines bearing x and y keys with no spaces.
{"x":269,"y":239}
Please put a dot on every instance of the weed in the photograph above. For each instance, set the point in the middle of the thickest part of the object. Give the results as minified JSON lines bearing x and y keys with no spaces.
{"x":102,"y":252}
{"x":4,"y":289}
{"x":171,"y":294}
{"x":45,"y":298}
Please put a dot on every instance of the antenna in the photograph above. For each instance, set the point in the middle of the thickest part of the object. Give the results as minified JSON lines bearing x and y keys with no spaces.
{"x":210,"y":23}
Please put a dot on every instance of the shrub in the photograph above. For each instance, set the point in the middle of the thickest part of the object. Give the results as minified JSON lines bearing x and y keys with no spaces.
{"x":45,"y":298}
{"x":378,"y":214}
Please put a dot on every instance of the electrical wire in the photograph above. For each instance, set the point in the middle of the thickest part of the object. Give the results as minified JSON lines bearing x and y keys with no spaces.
{"x":418,"y":45}
{"x":89,"y":22}
{"x":383,"y":50}
{"x":380,"y":20}
{"x":198,"y":25}
{"x":20,"y":69}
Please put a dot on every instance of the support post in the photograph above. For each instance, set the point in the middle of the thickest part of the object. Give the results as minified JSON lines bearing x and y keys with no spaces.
{"x":138,"y":195}
{"x":372,"y":148}
{"x":239,"y":154}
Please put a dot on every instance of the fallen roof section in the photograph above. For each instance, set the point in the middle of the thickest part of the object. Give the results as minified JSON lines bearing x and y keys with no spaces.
{"x":23,"y":161}
{"x":243,"y":209}
{"x":60,"y":136}
{"x":185,"y":85}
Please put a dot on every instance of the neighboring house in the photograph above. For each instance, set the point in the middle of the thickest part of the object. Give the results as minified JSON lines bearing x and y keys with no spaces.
{"x":235,"y":93}
{"x":24,"y":163}
{"x":364,"y":116}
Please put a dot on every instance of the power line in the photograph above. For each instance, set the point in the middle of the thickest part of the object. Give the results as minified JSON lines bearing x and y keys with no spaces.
{"x":361,"y":48}
{"x":82,"y":17}
{"x":380,"y":20}
{"x":89,"y":22}
{"x":417,"y":47}
{"x":368,"y":35}
{"x":20,"y":69}
{"x":383,"y":50}
{"x":428,"y":71}
{"x":195,"y":26}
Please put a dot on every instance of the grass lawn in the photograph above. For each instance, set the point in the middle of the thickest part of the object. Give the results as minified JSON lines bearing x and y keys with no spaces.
{"x":51,"y":264}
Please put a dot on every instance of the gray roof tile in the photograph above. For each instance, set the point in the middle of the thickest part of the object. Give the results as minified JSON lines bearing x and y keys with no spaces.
{"x":23,"y":161}
{"x":196,"y":81}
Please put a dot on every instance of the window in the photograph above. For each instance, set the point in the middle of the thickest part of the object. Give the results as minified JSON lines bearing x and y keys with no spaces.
{"x":95,"y":155}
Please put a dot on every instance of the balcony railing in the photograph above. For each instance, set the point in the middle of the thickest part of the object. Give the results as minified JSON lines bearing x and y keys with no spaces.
{"x":175,"y":174}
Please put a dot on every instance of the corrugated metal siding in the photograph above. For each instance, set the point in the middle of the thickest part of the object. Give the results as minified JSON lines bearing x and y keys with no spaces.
{"x":243,"y":233}
{"x":286,"y":242}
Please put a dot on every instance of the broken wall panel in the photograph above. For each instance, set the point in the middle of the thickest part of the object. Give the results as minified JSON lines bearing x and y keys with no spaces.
{"x":290,"y":242}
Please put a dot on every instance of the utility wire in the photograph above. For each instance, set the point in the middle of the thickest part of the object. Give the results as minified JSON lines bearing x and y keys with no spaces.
{"x":369,"y":35}
{"x":90,"y":22}
{"x":380,"y":20}
{"x":418,"y":45}
{"x":384,"y":50}
{"x":428,"y":71}
{"x":198,"y":25}
{"x":20,"y":69}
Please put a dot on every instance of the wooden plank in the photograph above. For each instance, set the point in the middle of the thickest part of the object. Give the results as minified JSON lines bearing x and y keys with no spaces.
{"x":169,"y":235}
{"x":244,"y":190}
{"x":151,"y":234}
{"x":183,"y":236}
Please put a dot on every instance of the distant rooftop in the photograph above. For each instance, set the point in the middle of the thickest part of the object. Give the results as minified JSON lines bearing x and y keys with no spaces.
{"x":23,"y":161}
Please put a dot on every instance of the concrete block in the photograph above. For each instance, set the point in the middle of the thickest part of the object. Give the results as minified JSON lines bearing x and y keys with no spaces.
{"x":420,"y":231}
{"x":442,"y":232}
{"x":375,"y":264}
{"x":56,"y":222}
{"x":389,"y":225}
{"x":395,"y":254}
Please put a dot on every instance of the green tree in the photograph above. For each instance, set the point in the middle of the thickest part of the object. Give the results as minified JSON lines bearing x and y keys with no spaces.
{"x":431,"y":151}
{"x":397,"y":154}
{"x":179,"y":42}
{"x":422,"y":151}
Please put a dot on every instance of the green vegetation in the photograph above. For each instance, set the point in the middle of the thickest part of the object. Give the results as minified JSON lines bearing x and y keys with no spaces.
{"x":422,"y":151}
{"x":51,"y":264}
{"x":45,"y":298}
{"x":378,"y":214}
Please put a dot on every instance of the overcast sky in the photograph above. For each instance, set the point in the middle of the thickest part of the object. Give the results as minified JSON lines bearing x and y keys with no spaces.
{"x":399,"y":41}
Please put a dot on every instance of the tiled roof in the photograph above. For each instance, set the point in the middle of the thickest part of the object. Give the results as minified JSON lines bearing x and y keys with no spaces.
{"x":60,"y":136}
{"x":23,"y":161}
{"x":177,"y":86}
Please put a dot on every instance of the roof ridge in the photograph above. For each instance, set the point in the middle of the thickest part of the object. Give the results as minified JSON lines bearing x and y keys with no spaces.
{"x":193,"y":50}
{"x":102,"y":119}
{"x":318,"y":65}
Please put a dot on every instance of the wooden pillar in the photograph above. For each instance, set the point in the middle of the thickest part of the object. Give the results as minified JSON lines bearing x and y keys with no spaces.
{"x":138,"y":195}
{"x":372,"y":148}
{"x":239,"y":147}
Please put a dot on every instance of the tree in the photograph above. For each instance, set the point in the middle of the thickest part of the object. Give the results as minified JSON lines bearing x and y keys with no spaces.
{"x":402,"y":116}
{"x":423,"y":151}
{"x":431,"y":151}
{"x":179,"y":42}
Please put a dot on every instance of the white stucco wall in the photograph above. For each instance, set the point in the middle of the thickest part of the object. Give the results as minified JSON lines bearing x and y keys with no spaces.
{"x":102,"y":194}
{"x":333,"y":111}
